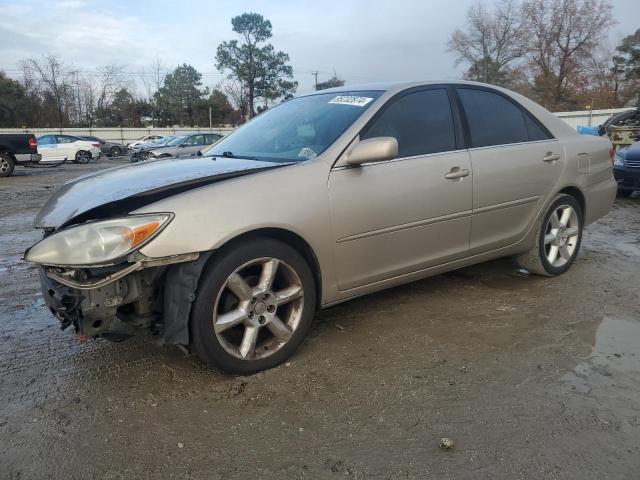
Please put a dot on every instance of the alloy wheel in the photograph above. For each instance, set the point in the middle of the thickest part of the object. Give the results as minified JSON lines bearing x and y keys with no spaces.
{"x":83,"y":157}
{"x":258,"y":308}
{"x":4,"y":165}
{"x":561,"y":235}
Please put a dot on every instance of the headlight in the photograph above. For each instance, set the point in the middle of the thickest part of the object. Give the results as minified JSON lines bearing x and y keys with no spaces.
{"x":97,"y":243}
{"x":618,"y":160}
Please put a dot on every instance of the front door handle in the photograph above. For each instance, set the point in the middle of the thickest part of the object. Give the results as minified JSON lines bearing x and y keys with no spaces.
{"x":457,"y":172}
{"x":551,"y":157}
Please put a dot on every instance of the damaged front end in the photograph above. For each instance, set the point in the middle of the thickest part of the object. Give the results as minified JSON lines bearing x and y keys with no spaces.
{"x":117,"y":301}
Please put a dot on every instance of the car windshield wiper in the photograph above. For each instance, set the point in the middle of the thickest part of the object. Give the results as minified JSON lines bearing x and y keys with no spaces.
{"x":232,"y":155}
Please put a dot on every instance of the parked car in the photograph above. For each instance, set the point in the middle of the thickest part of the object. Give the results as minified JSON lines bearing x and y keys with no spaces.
{"x":182,"y":146}
{"x":626,"y":169}
{"x":321,"y":199}
{"x":114,"y":149}
{"x":17,"y":148}
{"x":139,"y":153}
{"x":629,"y":118}
{"x":142,"y":140}
{"x":60,"y":147}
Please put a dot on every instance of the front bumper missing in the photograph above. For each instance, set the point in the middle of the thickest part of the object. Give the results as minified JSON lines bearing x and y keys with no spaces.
{"x":67,"y":278}
{"x":109,"y":302}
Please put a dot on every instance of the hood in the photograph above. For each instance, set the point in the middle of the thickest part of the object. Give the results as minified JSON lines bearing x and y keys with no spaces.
{"x":123,"y":189}
{"x":632,"y":152}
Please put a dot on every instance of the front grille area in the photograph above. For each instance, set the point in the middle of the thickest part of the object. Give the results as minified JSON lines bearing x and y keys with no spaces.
{"x":632,"y":163}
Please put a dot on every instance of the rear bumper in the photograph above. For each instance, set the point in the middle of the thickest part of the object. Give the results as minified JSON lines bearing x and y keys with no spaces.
{"x":28,"y":157}
{"x":627,"y":178}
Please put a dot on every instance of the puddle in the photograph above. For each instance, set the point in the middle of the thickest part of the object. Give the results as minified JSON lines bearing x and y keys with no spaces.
{"x":614,"y":360}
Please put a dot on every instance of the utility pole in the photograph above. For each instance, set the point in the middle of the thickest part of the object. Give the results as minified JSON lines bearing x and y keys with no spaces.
{"x":210,"y":124}
{"x":315,"y":74}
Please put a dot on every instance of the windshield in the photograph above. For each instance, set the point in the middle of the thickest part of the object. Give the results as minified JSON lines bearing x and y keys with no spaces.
{"x":176,"y":141}
{"x":296,"y":130}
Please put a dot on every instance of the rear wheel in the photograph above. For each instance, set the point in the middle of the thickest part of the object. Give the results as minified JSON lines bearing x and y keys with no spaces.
{"x":115,"y":151}
{"x":6,"y":165}
{"x":253,"y":308}
{"x":83,"y":157}
{"x":558,"y":238}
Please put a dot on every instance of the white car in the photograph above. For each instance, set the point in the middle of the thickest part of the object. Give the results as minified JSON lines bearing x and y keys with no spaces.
{"x":55,"y":148}
{"x":143,"y":140}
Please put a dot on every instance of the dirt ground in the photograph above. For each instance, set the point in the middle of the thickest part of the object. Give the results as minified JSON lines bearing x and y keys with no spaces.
{"x":532,"y":378}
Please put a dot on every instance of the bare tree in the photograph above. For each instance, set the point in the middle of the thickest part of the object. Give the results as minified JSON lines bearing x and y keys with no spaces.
{"x":237,"y":94}
{"x":491,"y":43}
{"x":55,"y":79}
{"x":563,"y":36}
{"x":153,"y":81}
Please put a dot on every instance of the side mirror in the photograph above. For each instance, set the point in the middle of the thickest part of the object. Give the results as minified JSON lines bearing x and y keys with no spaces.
{"x":199,"y":153}
{"x":373,"y":150}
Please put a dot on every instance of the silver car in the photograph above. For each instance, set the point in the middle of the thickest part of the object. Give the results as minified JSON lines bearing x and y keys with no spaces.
{"x":323,"y":198}
{"x":182,"y":146}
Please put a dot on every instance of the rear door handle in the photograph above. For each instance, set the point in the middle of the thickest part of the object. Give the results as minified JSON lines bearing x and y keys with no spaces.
{"x":457,"y":172}
{"x":551,"y":157}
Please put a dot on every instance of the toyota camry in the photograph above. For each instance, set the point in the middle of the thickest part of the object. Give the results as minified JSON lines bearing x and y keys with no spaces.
{"x":323,"y":198}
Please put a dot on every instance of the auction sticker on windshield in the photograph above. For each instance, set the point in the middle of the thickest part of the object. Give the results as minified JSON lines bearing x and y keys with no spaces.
{"x":351,"y":100}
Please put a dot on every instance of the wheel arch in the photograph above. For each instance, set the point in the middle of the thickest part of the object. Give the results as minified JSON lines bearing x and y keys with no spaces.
{"x":576,"y":193}
{"x":182,"y":280}
{"x":290,"y":238}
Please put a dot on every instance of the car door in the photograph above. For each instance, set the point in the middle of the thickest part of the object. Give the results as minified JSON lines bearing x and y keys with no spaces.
{"x":191,"y":145}
{"x":47,"y":147}
{"x":399,"y":216}
{"x":67,"y":147}
{"x":516,"y":162}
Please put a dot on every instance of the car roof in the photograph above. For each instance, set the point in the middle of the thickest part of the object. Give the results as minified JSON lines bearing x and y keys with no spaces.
{"x":395,"y":86}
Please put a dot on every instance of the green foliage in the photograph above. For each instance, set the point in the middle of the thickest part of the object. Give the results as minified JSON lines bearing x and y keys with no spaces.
{"x":182,"y":97}
{"x":263,"y":71}
{"x":628,"y":58}
{"x":14,"y":103}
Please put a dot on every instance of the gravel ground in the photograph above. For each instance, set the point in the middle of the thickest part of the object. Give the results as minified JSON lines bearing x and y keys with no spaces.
{"x":530,"y":377}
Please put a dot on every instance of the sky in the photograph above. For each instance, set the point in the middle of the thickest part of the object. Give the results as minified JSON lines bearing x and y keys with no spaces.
{"x":361,"y":40}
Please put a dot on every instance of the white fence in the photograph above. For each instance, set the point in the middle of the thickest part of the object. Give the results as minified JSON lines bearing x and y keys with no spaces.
{"x":121,"y":135}
{"x":584,"y":118}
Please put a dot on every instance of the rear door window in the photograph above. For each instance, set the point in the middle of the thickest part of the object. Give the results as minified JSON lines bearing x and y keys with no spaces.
{"x":492,"y":119}
{"x":422,"y":122}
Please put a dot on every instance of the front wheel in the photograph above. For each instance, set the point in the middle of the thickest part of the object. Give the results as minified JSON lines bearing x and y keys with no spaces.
{"x":558,"y":238}
{"x":115,"y":151}
{"x":83,"y":157}
{"x":254,"y":306}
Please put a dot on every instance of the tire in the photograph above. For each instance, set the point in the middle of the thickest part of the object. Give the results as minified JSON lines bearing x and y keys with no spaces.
{"x":82,"y":156}
{"x":7,"y":164}
{"x":115,"y":152}
{"x":624,"y":193}
{"x":551,"y":234}
{"x":250,"y":314}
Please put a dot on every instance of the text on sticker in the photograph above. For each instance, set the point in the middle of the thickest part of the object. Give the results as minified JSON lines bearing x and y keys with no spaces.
{"x":351,"y":100}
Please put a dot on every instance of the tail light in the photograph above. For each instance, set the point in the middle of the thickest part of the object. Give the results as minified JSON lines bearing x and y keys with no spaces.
{"x":612,"y":154}
{"x":33,"y":143}
{"x":97,"y":145}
